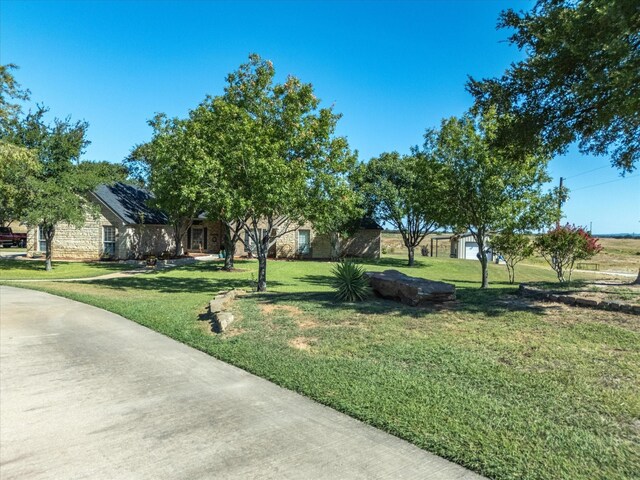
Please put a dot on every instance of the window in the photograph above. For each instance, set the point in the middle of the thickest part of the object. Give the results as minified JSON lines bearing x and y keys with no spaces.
{"x":304,"y":242}
{"x":249,"y":245}
{"x":42,"y":243}
{"x":109,"y":241}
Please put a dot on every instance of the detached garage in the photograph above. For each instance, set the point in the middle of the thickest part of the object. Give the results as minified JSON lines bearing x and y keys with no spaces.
{"x":465,"y":246}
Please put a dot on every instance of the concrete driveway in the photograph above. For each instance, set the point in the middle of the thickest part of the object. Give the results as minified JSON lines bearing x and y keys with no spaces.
{"x":88,"y":394}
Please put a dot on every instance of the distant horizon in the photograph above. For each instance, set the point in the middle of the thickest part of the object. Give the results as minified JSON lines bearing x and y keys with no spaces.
{"x":392,"y":69}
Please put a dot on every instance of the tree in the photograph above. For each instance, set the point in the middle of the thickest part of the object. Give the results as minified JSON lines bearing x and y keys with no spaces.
{"x":579,"y":81}
{"x":563,"y":246}
{"x":278,"y":152}
{"x":171,"y":165}
{"x":18,"y":163}
{"x":58,"y":191}
{"x":513,"y":247}
{"x":490,"y":188}
{"x":17,"y":167}
{"x":404,"y":191}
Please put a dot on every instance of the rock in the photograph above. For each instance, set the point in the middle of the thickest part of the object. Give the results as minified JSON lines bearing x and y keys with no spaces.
{"x":587,"y":302}
{"x":222,"y":320}
{"x":217,"y":305}
{"x":412,"y":291}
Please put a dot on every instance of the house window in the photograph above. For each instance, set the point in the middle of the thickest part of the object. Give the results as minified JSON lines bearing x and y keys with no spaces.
{"x":109,"y":240}
{"x":42,"y":243}
{"x":304,"y":242}
{"x":249,"y":245}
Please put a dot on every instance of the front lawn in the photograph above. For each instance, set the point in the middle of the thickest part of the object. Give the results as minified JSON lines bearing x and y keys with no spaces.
{"x":508,"y":388}
{"x":15,"y":269}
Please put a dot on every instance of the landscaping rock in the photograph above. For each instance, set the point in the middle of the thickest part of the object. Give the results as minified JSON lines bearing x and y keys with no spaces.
{"x":411,"y":291}
{"x":587,"y":302}
{"x":221,"y":321}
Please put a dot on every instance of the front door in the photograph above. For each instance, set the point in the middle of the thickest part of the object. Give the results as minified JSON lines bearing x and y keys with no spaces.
{"x":197,"y":238}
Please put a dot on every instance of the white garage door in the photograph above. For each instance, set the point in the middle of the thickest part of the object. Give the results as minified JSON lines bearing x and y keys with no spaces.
{"x":471,"y":251}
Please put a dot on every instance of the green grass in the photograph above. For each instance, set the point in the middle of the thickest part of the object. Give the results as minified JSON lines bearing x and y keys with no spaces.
{"x":12,"y":269}
{"x":509,"y":389}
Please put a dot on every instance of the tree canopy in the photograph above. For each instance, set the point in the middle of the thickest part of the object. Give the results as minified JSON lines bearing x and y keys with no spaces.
{"x":580,"y":79}
{"x":279,"y":153}
{"x":490,"y":189}
{"x":405,"y":191}
{"x":43,"y":176}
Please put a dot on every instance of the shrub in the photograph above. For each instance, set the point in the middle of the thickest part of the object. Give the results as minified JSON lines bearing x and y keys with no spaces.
{"x":513,"y":248}
{"x":562,"y":246}
{"x":385,"y":250}
{"x":350,"y":283}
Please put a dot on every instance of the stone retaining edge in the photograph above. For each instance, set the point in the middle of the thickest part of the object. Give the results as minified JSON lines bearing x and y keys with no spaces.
{"x":610,"y":305}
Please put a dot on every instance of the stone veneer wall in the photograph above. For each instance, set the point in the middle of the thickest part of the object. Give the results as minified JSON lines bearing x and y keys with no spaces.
{"x":365,"y":243}
{"x":143,"y":240}
{"x":86,"y":242}
{"x":78,"y":243}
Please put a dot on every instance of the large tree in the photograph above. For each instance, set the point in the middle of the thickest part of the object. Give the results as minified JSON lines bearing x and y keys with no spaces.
{"x":580,"y":79}
{"x":171,"y":165}
{"x":59,"y":187}
{"x":489,"y":188}
{"x":405,"y":191}
{"x":18,"y":164}
{"x":280,"y":153}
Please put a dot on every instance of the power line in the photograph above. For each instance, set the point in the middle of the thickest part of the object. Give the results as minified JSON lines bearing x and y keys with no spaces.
{"x":604,"y":183}
{"x":588,"y":171}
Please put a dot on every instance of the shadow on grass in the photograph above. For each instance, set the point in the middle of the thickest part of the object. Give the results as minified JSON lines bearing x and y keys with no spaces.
{"x":39,"y":265}
{"x":157,"y":282}
{"x":491,"y":302}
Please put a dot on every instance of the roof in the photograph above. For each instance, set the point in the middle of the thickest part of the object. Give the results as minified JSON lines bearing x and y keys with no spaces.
{"x":130,"y":203}
{"x":368,"y":223}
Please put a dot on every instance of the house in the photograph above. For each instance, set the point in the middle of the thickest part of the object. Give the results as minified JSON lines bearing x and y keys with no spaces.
{"x":128,"y":227}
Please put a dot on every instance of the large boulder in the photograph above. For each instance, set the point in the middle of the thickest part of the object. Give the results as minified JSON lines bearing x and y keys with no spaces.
{"x":412,"y":291}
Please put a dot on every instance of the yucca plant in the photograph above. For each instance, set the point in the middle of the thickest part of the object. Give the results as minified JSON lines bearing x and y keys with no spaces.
{"x":349,"y":281}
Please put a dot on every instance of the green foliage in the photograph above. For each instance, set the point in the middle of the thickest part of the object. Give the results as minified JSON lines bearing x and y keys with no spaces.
{"x":405,"y":191}
{"x":490,"y":188}
{"x":563,"y":246}
{"x":45,"y":161}
{"x":172,"y":165}
{"x":580,"y":78}
{"x":513,"y":247}
{"x":350,"y":282}
{"x":277,"y":153}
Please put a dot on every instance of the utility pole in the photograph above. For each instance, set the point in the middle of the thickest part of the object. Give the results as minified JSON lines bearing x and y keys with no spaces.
{"x":560,"y":197}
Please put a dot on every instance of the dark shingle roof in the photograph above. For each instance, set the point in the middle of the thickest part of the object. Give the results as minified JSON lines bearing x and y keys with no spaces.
{"x":368,"y":223}
{"x":131,"y":204}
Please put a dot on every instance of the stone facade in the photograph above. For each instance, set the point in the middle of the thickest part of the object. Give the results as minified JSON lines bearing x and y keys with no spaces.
{"x":139,"y":241}
{"x":87,"y":242}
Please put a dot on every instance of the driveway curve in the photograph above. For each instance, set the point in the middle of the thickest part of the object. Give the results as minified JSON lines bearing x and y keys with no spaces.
{"x":85,"y":393}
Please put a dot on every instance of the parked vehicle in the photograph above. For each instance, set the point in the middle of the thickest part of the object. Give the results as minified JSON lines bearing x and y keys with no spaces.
{"x":10,"y":239}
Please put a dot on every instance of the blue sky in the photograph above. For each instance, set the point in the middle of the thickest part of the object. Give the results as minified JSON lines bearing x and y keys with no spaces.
{"x":392,"y":69}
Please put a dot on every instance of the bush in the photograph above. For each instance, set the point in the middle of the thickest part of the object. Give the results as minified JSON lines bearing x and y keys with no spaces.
{"x":350,"y":283}
{"x":562,"y":246}
{"x":513,"y":248}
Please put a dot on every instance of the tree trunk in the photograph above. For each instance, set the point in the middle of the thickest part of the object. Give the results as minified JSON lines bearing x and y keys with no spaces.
{"x":484,"y":262}
{"x":512,"y":273}
{"x":637,"y":282}
{"x":411,"y":250}
{"x":262,"y":271}
{"x":48,"y":236}
{"x":229,"y":252}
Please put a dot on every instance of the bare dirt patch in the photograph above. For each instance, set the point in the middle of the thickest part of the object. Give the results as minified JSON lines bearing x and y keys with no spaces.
{"x":302,"y":343}
{"x":270,"y":308}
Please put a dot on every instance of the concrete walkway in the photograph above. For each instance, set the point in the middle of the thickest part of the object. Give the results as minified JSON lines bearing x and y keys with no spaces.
{"x":85,"y":393}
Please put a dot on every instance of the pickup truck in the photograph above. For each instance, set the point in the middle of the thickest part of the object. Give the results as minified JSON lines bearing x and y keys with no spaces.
{"x":10,"y":239}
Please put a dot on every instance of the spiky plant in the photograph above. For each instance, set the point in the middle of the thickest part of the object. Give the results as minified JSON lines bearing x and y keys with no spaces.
{"x":349,"y":281}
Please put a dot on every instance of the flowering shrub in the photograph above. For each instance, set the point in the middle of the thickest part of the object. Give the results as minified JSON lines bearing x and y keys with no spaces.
{"x":562,"y":246}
